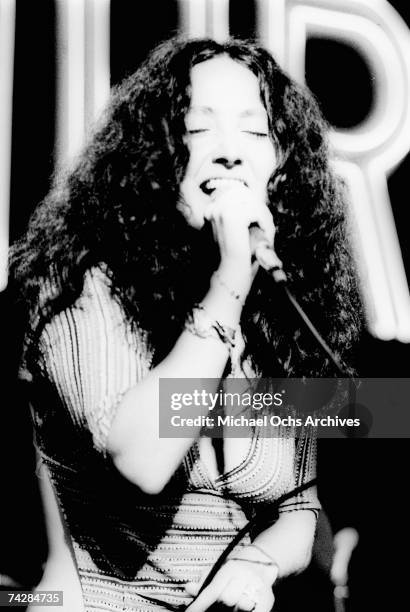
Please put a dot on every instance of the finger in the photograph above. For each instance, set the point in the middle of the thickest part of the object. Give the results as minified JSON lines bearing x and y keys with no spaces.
{"x":264,"y":220}
{"x":266,"y":603}
{"x":231,"y":594}
{"x":260,"y":604}
{"x":221,"y":187}
{"x":231,"y":197}
{"x":209,"y":216}
{"x":209,"y":212}
{"x":246,"y":603}
{"x":209,"y":595}
{"x":254,"y":268}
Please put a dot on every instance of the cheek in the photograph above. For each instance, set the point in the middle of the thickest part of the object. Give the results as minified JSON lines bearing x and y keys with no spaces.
{"x":267,"y":164}
{"x":190,"y":202}
{"x":192,"y":165}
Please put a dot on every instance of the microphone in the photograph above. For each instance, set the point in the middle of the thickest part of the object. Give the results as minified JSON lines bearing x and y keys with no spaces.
{"x":265,"y":254}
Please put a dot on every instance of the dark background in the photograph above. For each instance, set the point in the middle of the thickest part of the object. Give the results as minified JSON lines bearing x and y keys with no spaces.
{"x":362,"y":481}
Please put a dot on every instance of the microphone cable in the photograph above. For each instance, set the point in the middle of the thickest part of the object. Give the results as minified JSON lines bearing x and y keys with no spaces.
{"x":279,"y":277}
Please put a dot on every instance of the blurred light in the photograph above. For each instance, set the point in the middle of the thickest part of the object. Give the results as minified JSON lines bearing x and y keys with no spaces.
{"x":366,"y":153}
{"x":271,"y":27}
{"x":97,"y":58}
{"x":205,"y":18}
{"x":193,"y":18}
{"x":70,"y":78}
{"x":371,"y":150}
{"x":218,"y":27}
{"x":366,"y":241}
{"x":7,"y":30}
{"x":378,"y":49}
{"x":83,"y":70}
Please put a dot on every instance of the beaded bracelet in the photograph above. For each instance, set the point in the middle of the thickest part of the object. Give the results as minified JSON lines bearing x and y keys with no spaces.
{"x":253,"y":545}
{"x":202,"y":325}
{"x":255,"y":561}
{"x":270,"y":563}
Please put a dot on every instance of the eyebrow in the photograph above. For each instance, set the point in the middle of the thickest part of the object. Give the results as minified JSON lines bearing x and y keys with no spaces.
{"x":254,"y":112}
{"x":208,"y":110}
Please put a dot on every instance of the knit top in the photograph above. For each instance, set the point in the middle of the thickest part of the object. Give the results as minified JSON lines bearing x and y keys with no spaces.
{"x":136,"y":551}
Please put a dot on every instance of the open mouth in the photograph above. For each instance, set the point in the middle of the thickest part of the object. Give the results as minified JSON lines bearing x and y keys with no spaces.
{"x":210,"y":185}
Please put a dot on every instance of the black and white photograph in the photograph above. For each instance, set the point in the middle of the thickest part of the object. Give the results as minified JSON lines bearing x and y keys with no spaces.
{"x":205,"y":305}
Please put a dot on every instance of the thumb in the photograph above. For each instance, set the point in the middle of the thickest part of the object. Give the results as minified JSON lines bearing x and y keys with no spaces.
{"x":192,"y":588}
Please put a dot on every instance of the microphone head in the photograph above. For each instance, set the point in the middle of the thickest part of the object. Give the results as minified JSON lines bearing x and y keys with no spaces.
{"x":265,"y":254}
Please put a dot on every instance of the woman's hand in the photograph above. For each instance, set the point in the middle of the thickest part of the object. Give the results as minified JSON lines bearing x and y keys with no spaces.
{"x":232,"y":210}
{"x":239,"y":584}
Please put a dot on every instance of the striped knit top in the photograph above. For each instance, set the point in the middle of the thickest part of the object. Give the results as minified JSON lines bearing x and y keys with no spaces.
{"x":136,"y":551}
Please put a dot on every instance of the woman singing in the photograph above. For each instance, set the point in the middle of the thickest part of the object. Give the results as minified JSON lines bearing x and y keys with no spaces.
{"x":139,"y":266}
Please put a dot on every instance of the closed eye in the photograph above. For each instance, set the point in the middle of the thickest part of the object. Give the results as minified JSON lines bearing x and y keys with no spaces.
{"x":256,"y":134}
{"x":199,"y":131}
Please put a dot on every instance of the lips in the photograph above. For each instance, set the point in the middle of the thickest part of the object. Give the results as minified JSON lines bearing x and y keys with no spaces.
{"x":211,"y":184}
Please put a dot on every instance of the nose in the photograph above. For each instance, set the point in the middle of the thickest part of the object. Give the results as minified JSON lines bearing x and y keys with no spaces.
{"x":228,"y":152}
{"x":228,"y":162}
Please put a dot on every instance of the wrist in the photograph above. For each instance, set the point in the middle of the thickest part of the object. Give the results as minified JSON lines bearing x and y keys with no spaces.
{"x":221,"y":303}
{"x":201,"y":324}
{"x":238,"y":272}
{"x":235,"y":286}
{"x":262,"y":562}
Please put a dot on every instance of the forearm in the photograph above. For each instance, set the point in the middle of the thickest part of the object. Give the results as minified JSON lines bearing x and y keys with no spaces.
{"x":289,"y":541}
{"x":134,"y":443}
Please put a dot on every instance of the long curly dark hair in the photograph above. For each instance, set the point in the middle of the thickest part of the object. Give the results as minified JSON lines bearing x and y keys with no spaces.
{"x":118,"y":208}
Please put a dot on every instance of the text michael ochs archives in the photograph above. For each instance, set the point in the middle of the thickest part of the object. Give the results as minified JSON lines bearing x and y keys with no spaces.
{"x":334,"y":407}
